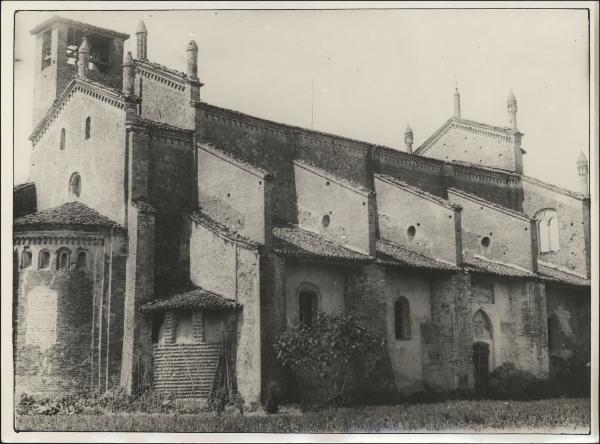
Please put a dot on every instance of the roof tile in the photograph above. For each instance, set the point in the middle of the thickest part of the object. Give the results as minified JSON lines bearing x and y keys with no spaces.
{"x":480,"y":265}
{"x":68,"y":214}
{"x":553,"y":275}
{"x":295,"y":242}
{"x":194,"y":299}
{"x":389,"y":253}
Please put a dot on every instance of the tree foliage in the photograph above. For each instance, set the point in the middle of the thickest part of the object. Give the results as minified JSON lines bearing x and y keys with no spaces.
{"x":333,"y":349}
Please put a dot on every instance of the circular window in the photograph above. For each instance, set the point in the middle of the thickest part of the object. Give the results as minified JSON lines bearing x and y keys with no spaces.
{"x":411,"y":231}
{"x":326,"y":220}
{"x":485,"y":241}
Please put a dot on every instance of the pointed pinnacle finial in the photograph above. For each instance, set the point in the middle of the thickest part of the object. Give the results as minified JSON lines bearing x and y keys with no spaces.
{"x":582,"y":158}
{"x":84,"y":47}
{"x":141,"y":27}
{"x":408,"y":129}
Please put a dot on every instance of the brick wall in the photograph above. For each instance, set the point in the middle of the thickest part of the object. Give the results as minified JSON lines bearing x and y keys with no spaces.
{"x":406,"y":354}
{"x":510,"y":234}
{"x":59,"y":329}
{"x":232,"y":270}
{"x":470,"y":142}
{"x":349,"y":211}
{"x":165,"y":97}
{"x":447,"y":339}
{"x":232,"y":195}
{"x":434,"y":222}
{"x":571,"y":308}
{"x":185,"y":370}
{"x":573,"y":223}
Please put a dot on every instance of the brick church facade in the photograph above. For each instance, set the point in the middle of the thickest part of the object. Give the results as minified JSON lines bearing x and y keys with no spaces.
{"x":155,"y":223}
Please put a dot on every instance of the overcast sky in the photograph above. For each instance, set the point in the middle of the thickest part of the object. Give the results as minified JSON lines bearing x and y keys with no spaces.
{"x":373,"y":71}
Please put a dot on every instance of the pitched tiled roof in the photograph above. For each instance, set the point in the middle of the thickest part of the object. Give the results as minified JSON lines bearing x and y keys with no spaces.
{"x":295,"y":242}
{"x":149,"y":123}
{"x":389,"y":253}
{"x":329,"y":175}
{"x":69,"y":214}
{"x":555,"y":276}
{"x":87,"y":26}
{"x":479,"y":265}
{"x":194,"y":299}
{"x":235,"y":160}
{"x":208,"y":222}
{"x":415,"y":190}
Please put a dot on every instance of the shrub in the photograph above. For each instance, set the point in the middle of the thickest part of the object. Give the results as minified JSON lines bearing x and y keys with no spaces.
{"x":334,"y":350}
{"x":508,"y":382}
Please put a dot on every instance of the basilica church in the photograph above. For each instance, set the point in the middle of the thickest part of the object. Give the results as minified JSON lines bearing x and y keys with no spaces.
{"x":156,"y":227}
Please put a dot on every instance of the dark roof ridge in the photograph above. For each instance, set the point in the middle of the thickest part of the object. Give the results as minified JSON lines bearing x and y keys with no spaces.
{"x":416,"y":190}
{"x":422,"y":261}
{"x":206,"y":221}
{"x":333,"y":177}
{"x":489,"y":204}
{"x":554,"y":187}
{"x":245,"y":165}
{"x":155,"y":124}
{"x":182,"y":75}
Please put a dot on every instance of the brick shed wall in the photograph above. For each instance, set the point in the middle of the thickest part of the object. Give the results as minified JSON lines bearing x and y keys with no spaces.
{"x":99,"y":160}
{"x":573,"y":220}
{"x":185,"y":370}
{"x":435,"y":231}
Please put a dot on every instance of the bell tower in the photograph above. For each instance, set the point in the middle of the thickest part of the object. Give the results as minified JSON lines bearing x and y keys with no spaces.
{"x":57,"y":43}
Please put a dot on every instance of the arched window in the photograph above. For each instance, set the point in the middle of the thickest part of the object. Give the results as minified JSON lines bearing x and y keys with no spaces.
{"x":26,"y":259}
{"x":547,"y":224}
{"x":63,"y":136}
{"x":402,"y":318}
{"x":88,"y":129}
{"x":82,"y":260}
{"x":44,"y":260}
{"x":75,"y":185}
{"x":63,"y":262}
{"x":307,"y":306}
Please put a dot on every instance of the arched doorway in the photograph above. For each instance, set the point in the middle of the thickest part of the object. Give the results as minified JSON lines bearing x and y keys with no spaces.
{"x":481,"y":362}
{"x":482,"y":347}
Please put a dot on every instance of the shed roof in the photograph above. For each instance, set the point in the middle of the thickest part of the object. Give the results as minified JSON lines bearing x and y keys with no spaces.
{"x":389,"y":253}
{"x":480,"y":265}
{"x":295,"y":242}
{"x":555,"y":276}
{"x":194,"y":299}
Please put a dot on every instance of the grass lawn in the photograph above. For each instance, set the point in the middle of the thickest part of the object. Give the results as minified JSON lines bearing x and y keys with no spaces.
{"x":551,"y":415}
